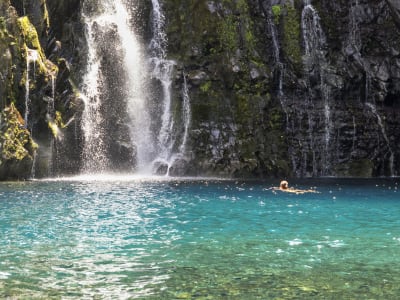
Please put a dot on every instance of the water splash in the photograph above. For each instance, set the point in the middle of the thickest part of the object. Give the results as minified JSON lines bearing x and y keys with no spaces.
{"x":111,"y":16}
{"x":94,"y":149}
{"x":156,"y":135}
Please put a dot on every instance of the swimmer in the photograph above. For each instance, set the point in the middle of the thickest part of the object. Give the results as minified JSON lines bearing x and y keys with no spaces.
{"x":284,"y":187}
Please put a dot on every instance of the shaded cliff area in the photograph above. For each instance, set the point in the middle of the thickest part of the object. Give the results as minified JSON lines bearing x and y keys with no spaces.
{"x":276,"y":88}
{"x":289,"y":87}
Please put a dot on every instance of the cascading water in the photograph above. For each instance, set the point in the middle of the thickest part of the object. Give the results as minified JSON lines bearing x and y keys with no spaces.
{"x":51,"y":121}
{"x":315,"y":61}
{"x":32,"y":56}
{"x":389,"y":153}
{"x":134,"y":89}
{"x":113,"y":87}
{"x":162,"y":73}
{"x":353,"y":48}
{"x":354,"y":38}
{"x":267,"y":9}
{"x":162,"y":69}
{"x":186,"y":114}
{"x":280,"y":70}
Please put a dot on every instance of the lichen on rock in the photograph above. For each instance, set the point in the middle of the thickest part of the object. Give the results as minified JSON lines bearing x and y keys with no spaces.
{"x":16,"y":146}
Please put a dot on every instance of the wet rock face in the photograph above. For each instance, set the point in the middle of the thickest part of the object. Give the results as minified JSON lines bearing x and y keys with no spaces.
{"x":38,"y":83}
{"x":276,"y":88}
{"x":17,"y":148}
{"x":279,"y":88}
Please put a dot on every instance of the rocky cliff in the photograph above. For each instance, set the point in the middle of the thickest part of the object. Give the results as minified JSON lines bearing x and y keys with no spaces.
{"x":276,"y":88}
{"x":290,"y":87}
{"x":38,"y":98}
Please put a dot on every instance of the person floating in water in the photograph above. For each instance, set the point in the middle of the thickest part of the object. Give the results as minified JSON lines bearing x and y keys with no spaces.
{"x":284,"y":187}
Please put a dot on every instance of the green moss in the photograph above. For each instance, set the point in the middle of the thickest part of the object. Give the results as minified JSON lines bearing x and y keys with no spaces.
{"x":56,"y":124}
{"x":227,"y":32}
{"x":3,"y":27}
{"x":276,"y":12}
{"x":291,"y":38}
{"x":358,"y":168}
{"x":30,"y":35}
{"x":243,"y":108}
{"x":205,"y":87}
{"x":15,"y":140}
{"x":31,"y":41}
{"x":46,"y":17}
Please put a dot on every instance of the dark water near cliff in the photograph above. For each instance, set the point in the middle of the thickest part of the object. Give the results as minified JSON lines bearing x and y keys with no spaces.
{"x":126,"y":238}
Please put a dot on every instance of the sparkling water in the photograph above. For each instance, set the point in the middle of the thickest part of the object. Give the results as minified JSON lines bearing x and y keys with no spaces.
{"x":127,"y":238}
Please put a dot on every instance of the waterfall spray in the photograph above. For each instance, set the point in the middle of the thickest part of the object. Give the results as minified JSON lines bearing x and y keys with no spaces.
{"x":154,"y":133}
{"x":112,"y":16}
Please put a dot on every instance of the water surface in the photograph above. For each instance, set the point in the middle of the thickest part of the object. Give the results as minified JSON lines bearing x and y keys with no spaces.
{"x":128,"y":238}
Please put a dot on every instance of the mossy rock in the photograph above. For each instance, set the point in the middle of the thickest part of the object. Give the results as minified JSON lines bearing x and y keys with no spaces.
{"x":362,"y":168}
{"x":292,"y":36}
{"x":17,"y":148}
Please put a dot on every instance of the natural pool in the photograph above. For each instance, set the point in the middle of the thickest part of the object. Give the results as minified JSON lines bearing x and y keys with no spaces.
{"x":127,"y":238}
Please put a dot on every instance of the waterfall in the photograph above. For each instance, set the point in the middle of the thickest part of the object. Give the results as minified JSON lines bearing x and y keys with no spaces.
{"x":354,"y":38}
{"x":94,"y":149}
{"x":275,"y":49}
{"x":121,"y":82}
{"x":162,"y":72}
{"x":315,"y":62}
{"x":354,"y":45}
{"x":31,"y":57}
{"x":186,"y":115}
{"x":354,"y":139}
{"x":114,"y":61}
{"x":33,"y":168}
{"x":51,"y":120}
{"x":372,"y":107}
{"x":170,"y":134}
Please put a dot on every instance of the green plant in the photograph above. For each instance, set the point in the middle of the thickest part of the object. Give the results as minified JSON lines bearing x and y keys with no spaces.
{"x":276,"y":12}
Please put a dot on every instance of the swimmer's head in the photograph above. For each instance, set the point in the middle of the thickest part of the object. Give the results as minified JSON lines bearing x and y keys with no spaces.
{"x":284,"y":185}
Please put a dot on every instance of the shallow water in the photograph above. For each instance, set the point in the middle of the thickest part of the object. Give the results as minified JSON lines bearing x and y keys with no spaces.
{"x":127,"y":238}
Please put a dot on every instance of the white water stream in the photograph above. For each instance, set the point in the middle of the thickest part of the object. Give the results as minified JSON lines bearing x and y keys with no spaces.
{"x":314,"y":43}
{"x":162,"y":70}
{"x":114,"y":15}
{"x":154,"y":132}
{"x":32,"y":57}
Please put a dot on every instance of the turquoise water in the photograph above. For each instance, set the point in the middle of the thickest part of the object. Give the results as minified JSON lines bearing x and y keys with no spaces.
{"x":125,"y":238}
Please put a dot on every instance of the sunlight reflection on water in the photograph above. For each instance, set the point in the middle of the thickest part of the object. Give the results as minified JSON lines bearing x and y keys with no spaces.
{"x":164,"y":239}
